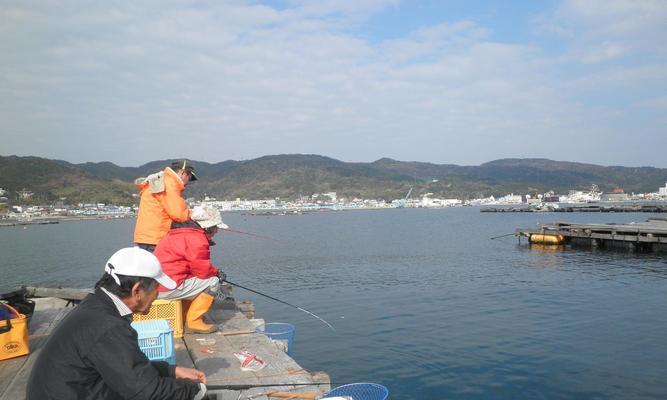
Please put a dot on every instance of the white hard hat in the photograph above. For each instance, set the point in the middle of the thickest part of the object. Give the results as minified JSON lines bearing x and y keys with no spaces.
{"x":133,"y":261}
{"x":207,"y":217}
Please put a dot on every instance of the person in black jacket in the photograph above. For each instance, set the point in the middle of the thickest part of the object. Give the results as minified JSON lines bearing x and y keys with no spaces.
{"x":94,"y":354}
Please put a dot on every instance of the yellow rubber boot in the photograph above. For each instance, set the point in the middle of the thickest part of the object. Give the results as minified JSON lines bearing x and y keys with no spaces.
{"x":194,"y":321}
{"x":185,"y":306}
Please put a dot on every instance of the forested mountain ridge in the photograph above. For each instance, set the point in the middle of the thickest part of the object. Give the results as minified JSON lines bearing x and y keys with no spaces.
{"x":291,"y":175}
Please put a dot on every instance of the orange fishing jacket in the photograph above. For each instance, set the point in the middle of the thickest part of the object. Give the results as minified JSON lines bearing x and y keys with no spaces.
{"x":159,"y":205}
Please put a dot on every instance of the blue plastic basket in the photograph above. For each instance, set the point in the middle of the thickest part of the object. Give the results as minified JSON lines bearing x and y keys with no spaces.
{"x":156,"y":340}
{"x":280,"y":331}
{"x":360,"y":391}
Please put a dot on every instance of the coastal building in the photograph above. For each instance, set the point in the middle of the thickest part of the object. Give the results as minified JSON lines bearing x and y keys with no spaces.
{"x":480,"y":201}
{"x":242,"y":205}
{"x":327,"y":197}
{"x":510,"y":199}
{"x":528,"y":199}
{"x":614,"y":196}
{"x":578,"y":196}
{"x":24,"y":194}
{"x":428,"y":202}
{"x":663,"y":191}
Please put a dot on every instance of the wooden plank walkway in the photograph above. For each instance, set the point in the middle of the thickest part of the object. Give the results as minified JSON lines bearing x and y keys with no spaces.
{"x":648,"y":236}
{"x":211,"y":353}
{"x":221,"y":367}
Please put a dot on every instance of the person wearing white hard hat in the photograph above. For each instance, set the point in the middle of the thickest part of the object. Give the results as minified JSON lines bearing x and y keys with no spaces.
{"x":94,"y":352}
{"x":185,"y":255}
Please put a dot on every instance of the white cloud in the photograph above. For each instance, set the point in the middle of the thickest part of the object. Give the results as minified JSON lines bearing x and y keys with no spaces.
{"x":601,"y":30}
{"x":606,"y":52}
{"x":319,"y":8}
{"x":658,"y":103}
{"x":432,"y":41}
{"x":133,"y":82}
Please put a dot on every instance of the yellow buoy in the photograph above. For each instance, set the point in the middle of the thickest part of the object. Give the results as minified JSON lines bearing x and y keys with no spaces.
{"x":546,"y":239}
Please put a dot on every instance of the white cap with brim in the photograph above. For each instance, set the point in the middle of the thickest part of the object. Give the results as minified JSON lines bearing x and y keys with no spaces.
{"x":207,"y":217}
{"x":133,"y":261}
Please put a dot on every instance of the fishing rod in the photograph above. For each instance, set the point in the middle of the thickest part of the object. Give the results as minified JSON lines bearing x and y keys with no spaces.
{"x":498,"y":237}
{"x":279,"y":301}
{"x":261,"y":385}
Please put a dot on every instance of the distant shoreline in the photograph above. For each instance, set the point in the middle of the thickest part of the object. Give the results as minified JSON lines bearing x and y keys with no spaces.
{"x":50,"y":220}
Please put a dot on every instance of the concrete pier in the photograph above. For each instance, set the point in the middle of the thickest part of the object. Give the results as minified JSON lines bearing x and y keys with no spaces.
{"x":211,"y":353}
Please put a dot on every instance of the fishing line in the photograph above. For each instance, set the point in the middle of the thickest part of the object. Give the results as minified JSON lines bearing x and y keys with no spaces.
{"x":280,"y":301}
{"x":250,"y":234}
{"x":498,"y":237}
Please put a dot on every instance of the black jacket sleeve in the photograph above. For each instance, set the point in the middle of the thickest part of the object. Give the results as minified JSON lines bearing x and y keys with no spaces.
{"x":164,"y":369}
{"x":127,"y":371}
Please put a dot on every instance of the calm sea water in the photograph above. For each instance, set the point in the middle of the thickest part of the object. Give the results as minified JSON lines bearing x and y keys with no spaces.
{"x":422,"y":301}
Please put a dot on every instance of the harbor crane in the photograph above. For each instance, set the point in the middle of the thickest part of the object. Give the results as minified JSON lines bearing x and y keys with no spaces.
{"x":403,"y":202}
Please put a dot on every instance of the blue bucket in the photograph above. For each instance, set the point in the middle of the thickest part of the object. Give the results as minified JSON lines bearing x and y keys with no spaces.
{"x":280,"y":331}
{"x":360,"y":391}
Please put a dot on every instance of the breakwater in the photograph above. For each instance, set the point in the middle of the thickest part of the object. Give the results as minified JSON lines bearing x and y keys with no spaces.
{"x":592,"y":208}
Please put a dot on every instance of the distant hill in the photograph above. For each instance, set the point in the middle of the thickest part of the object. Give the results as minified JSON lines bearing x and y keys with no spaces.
{"x":51,"y":180}
{"x":289,"y":176}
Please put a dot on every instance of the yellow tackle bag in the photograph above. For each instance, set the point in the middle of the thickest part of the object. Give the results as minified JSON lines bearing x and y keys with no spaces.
{"x":13,"y":333}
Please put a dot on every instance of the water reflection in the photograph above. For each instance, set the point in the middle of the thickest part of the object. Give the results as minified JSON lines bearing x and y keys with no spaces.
{"x":605,"y":263}
{"x":422,"y":300}
{"x":546,"y":248}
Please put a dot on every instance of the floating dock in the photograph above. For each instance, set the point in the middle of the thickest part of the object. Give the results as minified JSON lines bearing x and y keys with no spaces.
{"x":649,"y":236}
{"x":210,"y":353}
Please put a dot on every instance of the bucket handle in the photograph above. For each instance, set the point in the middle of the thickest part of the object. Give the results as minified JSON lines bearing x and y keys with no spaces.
{"x":8,"y":320}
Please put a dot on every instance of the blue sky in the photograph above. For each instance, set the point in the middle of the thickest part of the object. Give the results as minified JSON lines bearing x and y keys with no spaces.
{"x":461,"y":82}
{"x":510,"y":21}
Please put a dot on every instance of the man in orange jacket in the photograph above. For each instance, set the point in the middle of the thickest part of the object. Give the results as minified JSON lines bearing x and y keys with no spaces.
{"x":161,"y":203}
